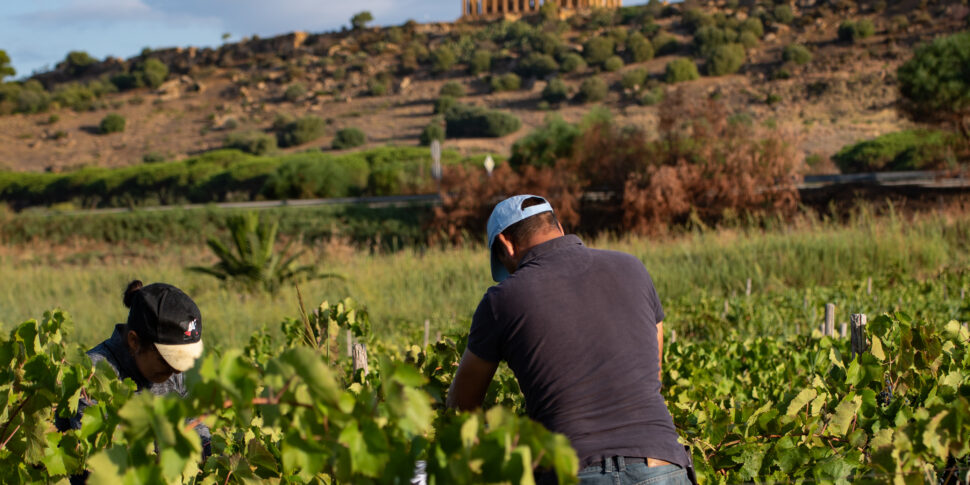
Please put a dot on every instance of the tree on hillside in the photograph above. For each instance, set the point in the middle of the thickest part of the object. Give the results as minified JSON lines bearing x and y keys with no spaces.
{"x":360,"y":20}
{"x":5,"y":68}
{"x":935,"y":83}
{"x":77,"y":62}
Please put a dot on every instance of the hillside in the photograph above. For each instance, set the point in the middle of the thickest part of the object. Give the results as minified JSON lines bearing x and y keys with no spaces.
{"x":385,"y":80}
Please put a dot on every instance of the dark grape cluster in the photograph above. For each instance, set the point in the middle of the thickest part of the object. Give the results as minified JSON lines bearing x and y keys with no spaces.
{"x":886,"y":395}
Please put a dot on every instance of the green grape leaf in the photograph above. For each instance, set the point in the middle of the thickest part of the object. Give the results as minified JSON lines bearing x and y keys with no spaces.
{"x":875,"y":348}
{"x":845,"y":412}
{"x":804,"y":397}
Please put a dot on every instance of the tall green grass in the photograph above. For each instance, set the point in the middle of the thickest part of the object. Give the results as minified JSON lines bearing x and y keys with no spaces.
{"x":694,"y":273}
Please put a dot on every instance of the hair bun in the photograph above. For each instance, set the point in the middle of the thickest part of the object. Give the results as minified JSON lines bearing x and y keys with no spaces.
{"x":130,"y":292}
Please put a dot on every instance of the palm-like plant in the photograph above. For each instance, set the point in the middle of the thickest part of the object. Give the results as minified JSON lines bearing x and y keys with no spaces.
{"x":251,"y":260}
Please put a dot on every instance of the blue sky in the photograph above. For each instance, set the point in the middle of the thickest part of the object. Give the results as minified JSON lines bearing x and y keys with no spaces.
{"x":37,"y":34}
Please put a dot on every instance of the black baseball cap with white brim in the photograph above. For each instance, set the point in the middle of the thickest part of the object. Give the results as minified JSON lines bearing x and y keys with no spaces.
{"x":168,"y":318}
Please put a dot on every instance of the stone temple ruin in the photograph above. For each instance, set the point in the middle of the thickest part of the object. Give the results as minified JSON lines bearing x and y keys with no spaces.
{"x":494,"y":8}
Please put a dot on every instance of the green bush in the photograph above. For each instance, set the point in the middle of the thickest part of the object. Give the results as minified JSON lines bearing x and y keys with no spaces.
{"x":665,"y":43}
{"x":6,"y":69}
{"x":299,"y":131}
{"x":29,"y":97}
{"x":309,"y":175}
{"x":613,"y":64}
{"x":850,"y":31}
{"x":506,"y":82}
{"x":537,"y":65}
{"x":215,"y":176}
{"x":592,"y":90}
{"x":546,"y":144}
{"x":153,"y":72}
{"x":481,"y":62}
{"x":443,"y":104}
{"x":77,"y":62}
{"x":555,"y":91}
{"x":434,"y":131}
{"x":902,"y":150}
{"x":443,"y":59}
{"x":680,"y":70}
{"x":796,"y":53}
{"x":547,"y":43}
{"x":640,"y":48}
{"x":597,"y":50}
{"x":865,"y":28}
{"x":377,"y":86}
{"x":294,"y":92}
{"x":725,"y":59}
{"x":361,"y":19}
{"x":696,"y":18}
{"x":572,"y":62}
{"x":652,"y":97}
{"x":748,"y":40}
{"x":255,"y":142}
{"x":783,"y":14}
{"x":463,"y":121}
{"x":634,"y":78}
{"x":453,"y":89}
{"x":348,"y":138}
{"x":935,"y":83}
{"x":708,"y":39}
{"x":112,"y":123}
{"x":150,"y":72}
{"x":754,"y":26}
{"x":75,"y":96}
{"x":619,"y":36}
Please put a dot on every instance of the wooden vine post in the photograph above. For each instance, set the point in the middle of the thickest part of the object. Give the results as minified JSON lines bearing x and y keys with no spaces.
{"x":858,"y":342}
{"x":360,"y":359}
{"x":427,"y":332}
{"x":829,"y":329}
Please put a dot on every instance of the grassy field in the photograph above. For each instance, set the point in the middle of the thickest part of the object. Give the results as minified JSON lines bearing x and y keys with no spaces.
{"x":810,"y":260}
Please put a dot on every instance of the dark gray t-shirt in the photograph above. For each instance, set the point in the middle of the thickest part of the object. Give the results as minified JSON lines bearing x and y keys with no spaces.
{"x":577,"y":326}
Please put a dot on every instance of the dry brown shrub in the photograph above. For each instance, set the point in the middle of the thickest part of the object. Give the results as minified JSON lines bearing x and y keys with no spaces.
{"x":706,"y":165}
{"x":699,"y":165}
{"x":469,"y":194}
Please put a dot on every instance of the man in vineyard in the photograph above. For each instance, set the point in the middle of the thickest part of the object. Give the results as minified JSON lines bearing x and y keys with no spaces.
{"x":582,"y":329}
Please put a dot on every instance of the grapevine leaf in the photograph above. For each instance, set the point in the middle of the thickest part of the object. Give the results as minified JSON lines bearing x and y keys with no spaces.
{"x":108,"y":466}
{"x":469,"y":431}
{"x":804,"y":397}
{"x":57,"y":460}
{"x":844,"y":413}
{"x":876,"y":349}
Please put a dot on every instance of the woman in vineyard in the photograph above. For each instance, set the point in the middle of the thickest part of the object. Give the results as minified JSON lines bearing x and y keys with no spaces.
{"x":162,"y":339}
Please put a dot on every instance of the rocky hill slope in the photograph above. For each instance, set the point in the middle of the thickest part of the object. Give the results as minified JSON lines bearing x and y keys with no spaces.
{"x":385,"y":81}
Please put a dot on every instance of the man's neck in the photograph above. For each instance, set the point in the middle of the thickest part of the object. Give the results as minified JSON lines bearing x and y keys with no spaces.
{"x":535,"y":241}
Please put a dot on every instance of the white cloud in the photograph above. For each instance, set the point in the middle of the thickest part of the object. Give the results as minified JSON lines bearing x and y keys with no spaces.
{"x":246,"y":17}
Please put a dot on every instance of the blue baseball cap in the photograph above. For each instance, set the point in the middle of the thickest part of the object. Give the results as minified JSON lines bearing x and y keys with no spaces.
{"x":506,"y":213}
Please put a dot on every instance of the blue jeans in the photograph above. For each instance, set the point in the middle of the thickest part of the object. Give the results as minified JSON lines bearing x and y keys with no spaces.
{"x":616,"y":472}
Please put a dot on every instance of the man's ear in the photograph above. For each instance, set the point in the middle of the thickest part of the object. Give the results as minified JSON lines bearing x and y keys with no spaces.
{"x":505,"y":245}
{"x":561,"y":230}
